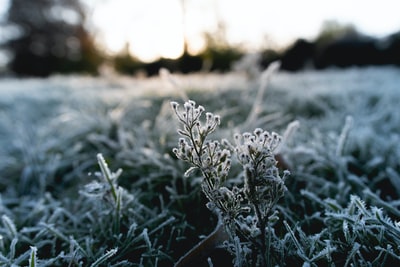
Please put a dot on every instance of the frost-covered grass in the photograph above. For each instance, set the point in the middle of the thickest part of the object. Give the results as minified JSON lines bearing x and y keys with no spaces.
{"x":61,"y":204}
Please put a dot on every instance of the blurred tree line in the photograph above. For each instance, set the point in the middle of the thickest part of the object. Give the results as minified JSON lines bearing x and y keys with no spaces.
{"x":51,"y":36}
{"x":218,"y":55}
{"x":336,"y":45}
{"x":342,"y":46}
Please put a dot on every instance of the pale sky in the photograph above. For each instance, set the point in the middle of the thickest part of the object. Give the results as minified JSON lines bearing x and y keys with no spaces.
{"x":154,"y":27}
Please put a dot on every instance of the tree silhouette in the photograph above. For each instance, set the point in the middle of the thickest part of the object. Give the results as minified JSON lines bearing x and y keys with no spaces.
{"x":51,"y":37}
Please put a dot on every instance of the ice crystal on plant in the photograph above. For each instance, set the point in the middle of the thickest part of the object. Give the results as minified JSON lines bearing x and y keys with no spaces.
{"x":263,"y":184}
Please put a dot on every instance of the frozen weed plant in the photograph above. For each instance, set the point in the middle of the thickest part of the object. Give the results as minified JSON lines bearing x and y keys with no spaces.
{"x":247,"y":210}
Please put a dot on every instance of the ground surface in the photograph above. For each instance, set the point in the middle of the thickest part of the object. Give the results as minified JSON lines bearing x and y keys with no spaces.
{"x":346,"y":149}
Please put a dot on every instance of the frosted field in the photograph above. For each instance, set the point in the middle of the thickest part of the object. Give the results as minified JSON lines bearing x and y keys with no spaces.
{"x":346,"y":151}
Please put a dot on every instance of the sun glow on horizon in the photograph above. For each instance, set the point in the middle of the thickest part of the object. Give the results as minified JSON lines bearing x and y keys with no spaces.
{"x":156,"y":28}
{"x":150,"y":32}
